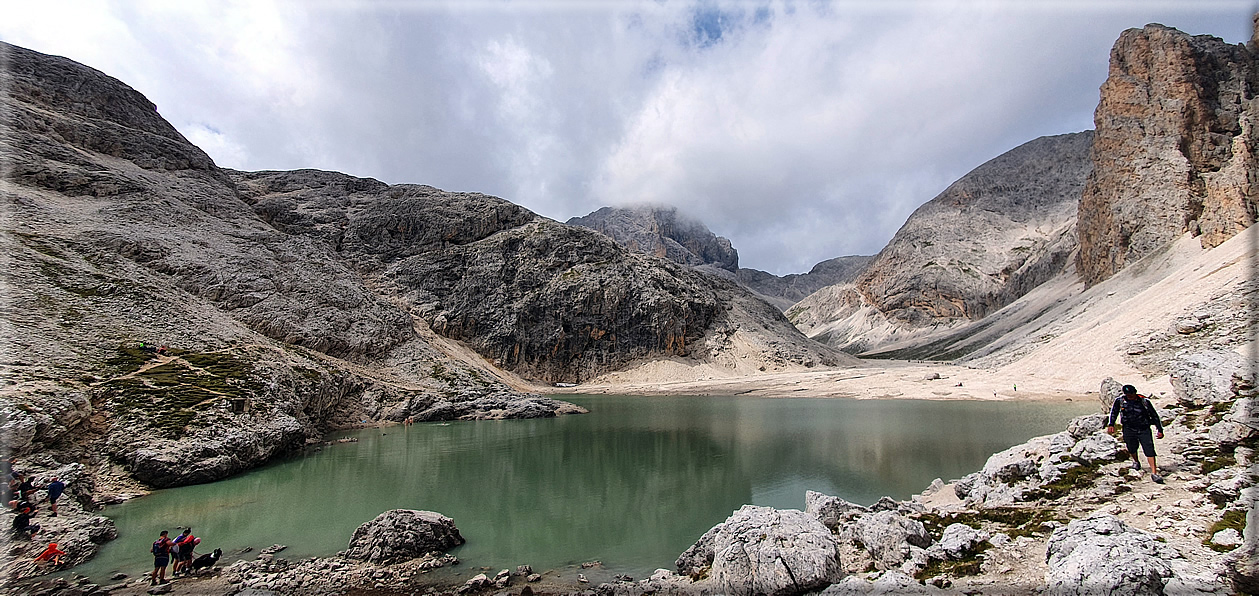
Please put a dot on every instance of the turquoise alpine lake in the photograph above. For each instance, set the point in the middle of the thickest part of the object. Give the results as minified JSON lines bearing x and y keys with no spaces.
{"x":631,"y":484}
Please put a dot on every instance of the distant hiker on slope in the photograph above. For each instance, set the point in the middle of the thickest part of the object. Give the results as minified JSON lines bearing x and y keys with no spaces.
{"x":1138,"y":415}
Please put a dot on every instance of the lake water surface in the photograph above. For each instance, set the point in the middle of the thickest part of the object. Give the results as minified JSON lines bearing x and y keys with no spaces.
{"x":632,"y":484}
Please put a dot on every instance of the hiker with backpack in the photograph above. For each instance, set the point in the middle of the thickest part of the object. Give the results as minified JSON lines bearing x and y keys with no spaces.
{"x":161,"y":558}
{"x":1138,"y":415}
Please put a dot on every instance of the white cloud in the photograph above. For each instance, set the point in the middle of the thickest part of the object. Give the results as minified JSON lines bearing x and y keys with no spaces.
{"x":802,"y":131}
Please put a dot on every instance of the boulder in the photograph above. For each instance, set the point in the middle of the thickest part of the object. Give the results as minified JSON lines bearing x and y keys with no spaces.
{"x":890,"y":583}
{"x":1111,"y":391}
{"x":958,"y":541}
{"x":1086,"y":425}
{"x":1102,"y":555}
{"x":401,"y":535}
{"x":1227,"y":537}
{"x":761,"y":550}
{"x":1063,"y":442}
{"x":1207,"y":377}
{"x":963,"y":487}
{"x":1097,"y":447}
{"x":888,"y":536}
{"x":830,"y":510}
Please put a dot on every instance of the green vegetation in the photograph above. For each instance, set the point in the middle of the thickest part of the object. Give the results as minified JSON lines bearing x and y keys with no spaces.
{"x":1233,"y":518}
{"x":970,"y":564}
{"x":1078,"y":477}
{"x":1017,"y":521}
{"x":169,"y":396}
{"x":1217,"y":459}
{"x":441,"y":373}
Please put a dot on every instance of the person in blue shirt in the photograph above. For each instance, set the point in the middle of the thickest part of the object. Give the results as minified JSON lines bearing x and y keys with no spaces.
{"x":1138,"y":414}
{"x":55,"y":488}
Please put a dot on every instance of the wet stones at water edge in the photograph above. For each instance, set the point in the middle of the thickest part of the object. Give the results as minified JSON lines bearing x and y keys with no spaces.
{"x":403,"y":534}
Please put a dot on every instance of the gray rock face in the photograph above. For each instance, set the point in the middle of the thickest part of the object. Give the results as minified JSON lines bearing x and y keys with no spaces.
{"x":831,"y":511}
{"x":1173,"y":152}
{"x":1095,"y":448}
{"x":1103,"y":555}
{"x":888,"y":536}
{"x":294,"y":303}
{"x":1209,"y":377}
{"x":787,"y":290}
{"x":760,"y":550}
{"x":889,"y":583}
{"x":996,"y":233}
{"x":401,"y":535}
{"x":958,"y":541}
{"x":662,"y":232}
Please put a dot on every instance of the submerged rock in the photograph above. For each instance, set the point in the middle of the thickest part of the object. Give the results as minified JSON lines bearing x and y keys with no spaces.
{"x":403,"y":534}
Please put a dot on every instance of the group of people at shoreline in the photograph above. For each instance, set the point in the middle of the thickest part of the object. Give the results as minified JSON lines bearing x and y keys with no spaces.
{"x":180,"y":549}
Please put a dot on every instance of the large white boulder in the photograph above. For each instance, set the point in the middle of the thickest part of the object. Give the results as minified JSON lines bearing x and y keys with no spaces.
{"x":761,"y":550}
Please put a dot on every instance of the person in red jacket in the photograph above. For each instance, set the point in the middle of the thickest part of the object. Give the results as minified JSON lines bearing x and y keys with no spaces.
{"x":52,"y":553}
{"x":1138,"y":415}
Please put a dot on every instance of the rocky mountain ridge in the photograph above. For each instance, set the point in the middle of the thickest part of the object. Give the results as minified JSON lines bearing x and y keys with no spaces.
{"x":1173,"y":154}
{"x":661,"y":231}
{"x":996,"y":233}
{"x":292,"y":303}
{"x":1174,"y":150}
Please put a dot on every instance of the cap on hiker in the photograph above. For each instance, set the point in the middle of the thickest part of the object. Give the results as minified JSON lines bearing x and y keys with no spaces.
{"x":1129,"y":390}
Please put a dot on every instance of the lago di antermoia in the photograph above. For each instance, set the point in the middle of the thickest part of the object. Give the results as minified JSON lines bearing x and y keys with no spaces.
{"x":399,"y":297}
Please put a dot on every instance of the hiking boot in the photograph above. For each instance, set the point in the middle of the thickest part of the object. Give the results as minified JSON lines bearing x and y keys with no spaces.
{"x":1135,"y":466}
{"x":1157,"y":478}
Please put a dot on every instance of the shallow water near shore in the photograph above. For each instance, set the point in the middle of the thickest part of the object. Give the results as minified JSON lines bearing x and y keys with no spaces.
{"x":631,"y":484}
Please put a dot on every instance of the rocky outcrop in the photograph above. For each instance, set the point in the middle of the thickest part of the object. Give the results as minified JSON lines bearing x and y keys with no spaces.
{"x":1210,"y":377}
{"x":1174,"y":150}
{"x":992,"y":236}
{"x":888,"y":537}
{"x":760,"y":550}
{"x":787,"y":290}
{"x":293,"y":303}
{"x":1102,"y":555}
{"x":661,"y":231}
{"x":401,"y":535}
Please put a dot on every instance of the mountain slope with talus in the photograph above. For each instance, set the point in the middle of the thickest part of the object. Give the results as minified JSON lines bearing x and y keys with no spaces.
{"x":293,"y":303}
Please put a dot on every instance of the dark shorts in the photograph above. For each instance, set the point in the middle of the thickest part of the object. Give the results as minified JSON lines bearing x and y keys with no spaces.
{"x":1143,"y":437}
{"x":161,"y":561}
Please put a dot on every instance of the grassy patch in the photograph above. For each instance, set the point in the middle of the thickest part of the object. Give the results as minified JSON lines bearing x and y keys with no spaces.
{"x":1017,"y":521}
{"x":969,"y":564}
{"x":128,"y":358}
{"x":1081,"y":476}
{"x":169,"y":397}
{"x":1217,"y":459}
{"x":1235,"y":519}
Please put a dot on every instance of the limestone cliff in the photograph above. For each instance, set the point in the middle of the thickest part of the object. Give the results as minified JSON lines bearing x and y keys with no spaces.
{"x":989,"y":238}
{"x":784,"y":291}
{"x":292,"y":302}
{"x":660,"y":231}
{"x":1174,"y":150}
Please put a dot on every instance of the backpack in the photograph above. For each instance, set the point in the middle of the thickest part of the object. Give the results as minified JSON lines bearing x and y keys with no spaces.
{"x":161,"y":546}
{"x":1134,"y":413}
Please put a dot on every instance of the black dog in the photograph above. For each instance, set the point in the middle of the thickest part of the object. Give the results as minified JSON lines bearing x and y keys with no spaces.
{"x":207,"y":561}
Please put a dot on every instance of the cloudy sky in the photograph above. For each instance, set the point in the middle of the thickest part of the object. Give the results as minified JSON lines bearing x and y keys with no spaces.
{"x":801,"y":130}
